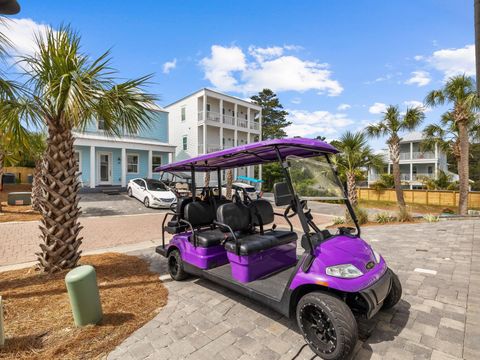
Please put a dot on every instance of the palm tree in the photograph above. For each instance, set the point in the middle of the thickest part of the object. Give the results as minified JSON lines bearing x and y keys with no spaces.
{"x":36,"y":150}
{"x":229,"y":184}
{"x":392,"y":124}
{"x":68,"y":90}
{"x":459,"y":91}
{"x":355,"y":156}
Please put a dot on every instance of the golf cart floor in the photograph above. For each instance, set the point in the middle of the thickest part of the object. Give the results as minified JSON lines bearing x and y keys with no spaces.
{"x":272,"y":285}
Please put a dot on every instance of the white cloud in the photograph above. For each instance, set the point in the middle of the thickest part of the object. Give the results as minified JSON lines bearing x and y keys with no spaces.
{"x":169,"y":66}
{"x":312,"y":123}
{"x":418,"y":57}
{"x":416,"y":103}
{"x":419,"y":78}
{"x":343,"y":107}
{"x":21,"y":33}
{"x":454,"y":61}
{"x":228,"y":69}
{"x":296,"y":100}
{"x":377,"y":108}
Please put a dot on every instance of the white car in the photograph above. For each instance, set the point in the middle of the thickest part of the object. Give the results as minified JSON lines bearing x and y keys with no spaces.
{"x":152,"y":193}
{"x":240,"y":187}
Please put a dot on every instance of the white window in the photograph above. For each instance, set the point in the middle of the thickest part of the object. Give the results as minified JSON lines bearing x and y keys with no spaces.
{"x":101,"y":124}
{"x":184,"y":113}
{"x":156,"y":161}
{"x":132,"y":164}
{"x":184,"y":143}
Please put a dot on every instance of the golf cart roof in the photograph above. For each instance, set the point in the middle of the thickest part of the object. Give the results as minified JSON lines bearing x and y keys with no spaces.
{"x":182,"y":175}
{"x":252,"y":154}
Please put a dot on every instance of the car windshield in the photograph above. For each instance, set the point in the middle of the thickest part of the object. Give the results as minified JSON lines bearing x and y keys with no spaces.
{"x":155,"y":185}
{"x":314,"y":179}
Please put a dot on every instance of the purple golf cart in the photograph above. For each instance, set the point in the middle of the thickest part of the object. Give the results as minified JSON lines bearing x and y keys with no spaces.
{"x":236,"y":244}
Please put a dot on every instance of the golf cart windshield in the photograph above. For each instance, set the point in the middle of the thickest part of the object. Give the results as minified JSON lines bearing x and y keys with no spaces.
{"x":314,"y":179}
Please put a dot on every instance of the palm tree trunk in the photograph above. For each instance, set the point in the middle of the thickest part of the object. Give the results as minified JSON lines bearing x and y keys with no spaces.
{"x":59,"y":206}
{"x":463,"y":168}
{"x":394,"y":146}
{"x":352,"y":188}
{"x":2,"y":157}
{"x":207,"y":179}
{"x":37,"y":186}
{"x":229,"y":176}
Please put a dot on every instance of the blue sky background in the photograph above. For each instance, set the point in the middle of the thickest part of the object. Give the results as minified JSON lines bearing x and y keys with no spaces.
{"x":358,"y":53}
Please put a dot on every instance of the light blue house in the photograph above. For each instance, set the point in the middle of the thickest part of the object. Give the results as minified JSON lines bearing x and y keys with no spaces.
{"x":112,"y":162}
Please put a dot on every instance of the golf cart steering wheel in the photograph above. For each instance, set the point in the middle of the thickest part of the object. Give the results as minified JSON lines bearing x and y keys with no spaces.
{"x":173,"y":207}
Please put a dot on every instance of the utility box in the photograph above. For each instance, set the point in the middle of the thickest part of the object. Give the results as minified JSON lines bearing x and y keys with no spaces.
{"x":20,"y":198}
{"x":84,"y":295}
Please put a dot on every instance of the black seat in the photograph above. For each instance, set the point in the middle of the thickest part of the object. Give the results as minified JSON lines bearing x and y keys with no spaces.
{"x":263,"y":214}
{"x":208,"y":238}
{"x":240,"y":220}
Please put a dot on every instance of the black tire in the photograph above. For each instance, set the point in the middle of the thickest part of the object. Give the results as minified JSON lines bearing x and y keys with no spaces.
{"x":175,"y":266}
{"x":327,"y":325}
{"x":146,"y":202}
{"x":129,"y":192}
{"x":395,"y":293}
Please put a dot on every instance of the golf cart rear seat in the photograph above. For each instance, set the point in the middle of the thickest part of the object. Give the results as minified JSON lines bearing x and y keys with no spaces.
{"x":240,"y":218}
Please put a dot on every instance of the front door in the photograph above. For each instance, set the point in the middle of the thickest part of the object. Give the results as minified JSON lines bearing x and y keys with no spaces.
{"x":104,"y":168}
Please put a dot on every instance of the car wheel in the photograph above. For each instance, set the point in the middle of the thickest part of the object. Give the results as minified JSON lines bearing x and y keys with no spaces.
{"x":327,"y":324}
{"x":395,"y":293}
{"x":146,"y":202}
{"x":175,"y":266}
{"x":129,"y":192}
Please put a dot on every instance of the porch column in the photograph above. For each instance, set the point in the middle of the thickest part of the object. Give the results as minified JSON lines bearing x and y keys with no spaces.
{"x":170,"y":157}
{"x":411,"y":172}
{"x":92,"y":167}
{"x":204,"y":109}
{"x":260,"y":124}
{"x":150,"y":164}
{"x":221,"y":137}
{"x":235,"y":110}
{"x":248,"y":120}
{"x":388,"y":168}
{"x":221,"y":111}
{"x":123,"y":164}
{"x":411,"y":150}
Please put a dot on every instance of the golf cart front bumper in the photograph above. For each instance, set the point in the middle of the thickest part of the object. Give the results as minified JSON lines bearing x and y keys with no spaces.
{"x":162,"y":250}
{"x":375,"y":294}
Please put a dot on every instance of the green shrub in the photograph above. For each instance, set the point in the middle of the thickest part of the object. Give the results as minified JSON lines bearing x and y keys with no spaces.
{"x":431,"y":218}
{"x":338,"y":220}
{"x":404,"y":216}
{"x":384,"y":218}
{"x":362,"y":216}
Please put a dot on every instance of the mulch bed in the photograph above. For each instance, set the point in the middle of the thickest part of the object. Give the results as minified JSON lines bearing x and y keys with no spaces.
{"x":17,"y":212}
{"x":38,"y":318}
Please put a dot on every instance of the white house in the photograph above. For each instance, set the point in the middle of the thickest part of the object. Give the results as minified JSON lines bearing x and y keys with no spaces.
{"x":415,"y":164}
{"x":107,"y":162}
{"x":207,"y":121}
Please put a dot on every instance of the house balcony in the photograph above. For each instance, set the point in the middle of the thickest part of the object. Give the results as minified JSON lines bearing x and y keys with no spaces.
{"x":228,"y":120}
{"x":210,"y":148}
{"x":417,"y":155}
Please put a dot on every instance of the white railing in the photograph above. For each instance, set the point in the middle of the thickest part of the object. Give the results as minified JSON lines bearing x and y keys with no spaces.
{"x":210,"y":148}
{"x":405,"y":155}
{"x":405,"y":177}
{"x":229,"y":120}
{"x":423,"y":155}
{"x":211,"y":116}
{"x":254,"y":125}
{"x":420,"y":176}
{"x":243,"y":123}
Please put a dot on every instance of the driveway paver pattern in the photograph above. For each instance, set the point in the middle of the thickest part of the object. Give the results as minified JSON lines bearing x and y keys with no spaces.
{"x":437,"y":318}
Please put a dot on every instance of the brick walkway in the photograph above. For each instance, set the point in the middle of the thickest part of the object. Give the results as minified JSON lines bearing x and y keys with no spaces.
{"x":19,"y":241}
{"x":437,"y":318}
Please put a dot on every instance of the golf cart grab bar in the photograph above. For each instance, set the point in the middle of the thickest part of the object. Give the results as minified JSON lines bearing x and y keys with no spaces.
{"x":230,"y":230}
{"x":286,"y":218}
{"x":194,"y":234}
{"x":163,"y":226}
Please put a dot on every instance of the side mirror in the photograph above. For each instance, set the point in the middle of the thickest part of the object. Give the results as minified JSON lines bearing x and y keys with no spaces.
{"x":282,"y":195}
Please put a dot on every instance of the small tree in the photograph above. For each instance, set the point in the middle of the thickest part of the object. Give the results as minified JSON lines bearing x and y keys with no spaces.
{"x":460,"y":92}
{"x":68,"y":90}
{"x":274,"y":118}
{"x":354,"y":158}
{"x":392,"y":124}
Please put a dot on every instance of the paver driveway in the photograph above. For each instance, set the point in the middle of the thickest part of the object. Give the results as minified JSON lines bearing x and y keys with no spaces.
{"x":437,"y":318}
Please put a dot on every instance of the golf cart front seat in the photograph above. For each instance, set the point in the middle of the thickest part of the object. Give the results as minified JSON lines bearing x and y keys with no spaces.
{"x":238,"y":217}
{"x":263,"y":214}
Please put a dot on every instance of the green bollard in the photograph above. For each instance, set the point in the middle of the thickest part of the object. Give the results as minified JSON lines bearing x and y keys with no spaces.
{"x":84,"y":296}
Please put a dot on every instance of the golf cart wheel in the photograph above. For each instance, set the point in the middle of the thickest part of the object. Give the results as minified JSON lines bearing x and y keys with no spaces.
{"x":327,"y":324}
{"x":395,"y":293}
{"x":175,"y":266}
{"x":129,"y":192}
{"x":146,"y":202}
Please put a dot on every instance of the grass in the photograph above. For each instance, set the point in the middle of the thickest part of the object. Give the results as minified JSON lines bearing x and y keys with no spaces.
{"x":38,"y":319}
{"x":16,"y":212}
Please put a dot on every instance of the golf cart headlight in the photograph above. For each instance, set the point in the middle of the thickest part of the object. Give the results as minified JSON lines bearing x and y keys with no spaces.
{"x":377,"y":256}
{"x":346,"y":271}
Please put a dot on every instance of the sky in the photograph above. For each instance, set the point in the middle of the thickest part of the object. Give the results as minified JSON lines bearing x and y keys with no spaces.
{"x":335,"y":65}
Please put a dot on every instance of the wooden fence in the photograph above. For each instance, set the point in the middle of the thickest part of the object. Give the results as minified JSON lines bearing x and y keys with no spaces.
{"x":21,"y":173}
{"x":445,"y":198}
